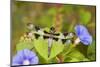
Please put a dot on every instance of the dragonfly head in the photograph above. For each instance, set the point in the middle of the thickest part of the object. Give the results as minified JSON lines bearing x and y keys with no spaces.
{"x":52,"y":30}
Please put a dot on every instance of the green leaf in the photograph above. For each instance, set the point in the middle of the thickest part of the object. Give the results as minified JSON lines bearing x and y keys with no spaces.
{"x":41,"y":47}
{"x":74,"y":56}
{"x":91,"y":53}
{"x":85,"y":16}
{"x":24,"y":45}
{"x":41,"y":60}
{"x":57,"y":47}
{"x":85,"y":59}
{"x":74,"y":60}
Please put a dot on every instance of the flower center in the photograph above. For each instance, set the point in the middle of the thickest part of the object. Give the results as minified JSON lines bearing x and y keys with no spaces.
{"x":26,"y":62}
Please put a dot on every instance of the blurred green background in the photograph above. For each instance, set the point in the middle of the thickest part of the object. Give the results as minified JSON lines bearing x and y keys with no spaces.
{"x":63,"y":17}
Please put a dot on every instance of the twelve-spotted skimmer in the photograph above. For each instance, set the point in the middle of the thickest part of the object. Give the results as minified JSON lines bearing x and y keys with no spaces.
{"x":50,"y":35}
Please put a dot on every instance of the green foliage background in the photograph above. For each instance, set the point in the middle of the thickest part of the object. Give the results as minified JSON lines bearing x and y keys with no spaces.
{"x":42,"y":14}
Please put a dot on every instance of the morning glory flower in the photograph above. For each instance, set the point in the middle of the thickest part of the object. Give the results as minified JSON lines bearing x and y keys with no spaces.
{"x":83,"y":35}
{"x":25,"y":57}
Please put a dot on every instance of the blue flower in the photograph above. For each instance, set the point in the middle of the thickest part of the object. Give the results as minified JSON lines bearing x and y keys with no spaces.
{"x":83,"y":34}
{"x":25,"y":57}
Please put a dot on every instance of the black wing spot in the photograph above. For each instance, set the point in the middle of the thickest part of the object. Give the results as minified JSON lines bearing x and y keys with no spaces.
{"x":65,"y":33}
{"x":37,"y":36}
{"x":55,"y":39}
{"x":63,"y":41}
{"x":37,"y":28}
{"x":45,"y":37}
{"x":46,"y":32}
{"x":56,"y":34}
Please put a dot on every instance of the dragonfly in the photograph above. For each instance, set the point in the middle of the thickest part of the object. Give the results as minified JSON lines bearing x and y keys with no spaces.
{"x":49,"y":35}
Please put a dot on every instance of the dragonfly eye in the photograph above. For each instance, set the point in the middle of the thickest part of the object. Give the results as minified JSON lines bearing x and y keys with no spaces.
{"x":52,"y":29}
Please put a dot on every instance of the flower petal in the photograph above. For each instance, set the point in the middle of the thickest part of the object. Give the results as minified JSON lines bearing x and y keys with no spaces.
{"x":18,"y":59}
{"x":83,"y":34}
{"x":28,"y":54}
{"x":34,"y":60}
{"x":86,"y":40}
